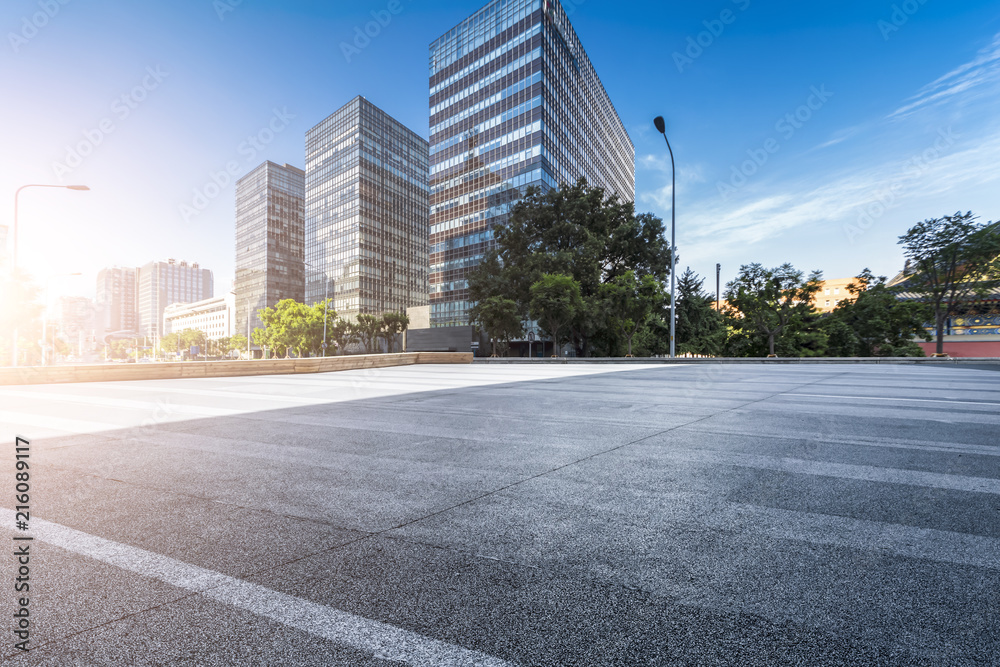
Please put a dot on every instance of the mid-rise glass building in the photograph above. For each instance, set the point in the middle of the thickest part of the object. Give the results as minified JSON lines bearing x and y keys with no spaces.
{"x":160,"y":284}
{"x":116,"y":298}
{"x":270,"y":240}
{"x":366,"y":212}
{"x":514,"y":102}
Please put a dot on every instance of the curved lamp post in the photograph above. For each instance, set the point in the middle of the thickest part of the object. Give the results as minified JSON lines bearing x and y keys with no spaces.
{"x":661,"y":127}
{"x":13,"y":264}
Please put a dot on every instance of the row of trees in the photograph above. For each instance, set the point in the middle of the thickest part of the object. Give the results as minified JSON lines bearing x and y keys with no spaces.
{"x":591,"y":273}
{"x":291,"y":326}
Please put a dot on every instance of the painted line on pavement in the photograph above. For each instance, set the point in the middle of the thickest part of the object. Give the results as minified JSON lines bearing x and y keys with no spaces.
{"x":883,"y":398}
{"x":384,"y":641}
{"x":897,"y":539}
{"x":841,"y":470}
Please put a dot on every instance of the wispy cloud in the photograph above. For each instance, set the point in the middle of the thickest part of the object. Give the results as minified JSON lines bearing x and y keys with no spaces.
{"x":846,"y":196}
{"x":687,"y":175}
{"x":920,"y":174}
{"x":984,"y":68}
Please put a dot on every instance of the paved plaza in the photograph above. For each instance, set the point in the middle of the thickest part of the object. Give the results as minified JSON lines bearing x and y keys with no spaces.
{"x":512,"y":515}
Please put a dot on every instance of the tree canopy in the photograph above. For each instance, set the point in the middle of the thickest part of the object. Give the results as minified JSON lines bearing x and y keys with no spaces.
{"x":955,"y":262}
{"x":579,"y":232}
{"x":771,"y":306}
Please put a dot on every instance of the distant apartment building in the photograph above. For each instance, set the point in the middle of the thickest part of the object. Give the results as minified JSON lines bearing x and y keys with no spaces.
{"x":75,"y":315}
{"x":116,"y":298}
{"x":366,"y":212}
{"x":514,"y":102}
{"x":831,"y":293}
{"x":214,"y":317}
{"x":270,"y":240}
{"x":78,"y":322}
{"x":160,"y":284}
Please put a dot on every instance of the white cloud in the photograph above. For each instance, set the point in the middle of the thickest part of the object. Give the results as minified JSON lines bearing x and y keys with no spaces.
{"x":984,"y":68}
{"x":922,"y":180}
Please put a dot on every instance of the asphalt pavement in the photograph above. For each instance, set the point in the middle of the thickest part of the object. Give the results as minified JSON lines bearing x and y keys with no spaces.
{"x":511,"y":515}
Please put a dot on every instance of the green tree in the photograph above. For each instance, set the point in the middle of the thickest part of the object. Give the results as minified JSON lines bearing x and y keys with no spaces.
{"x":320,"y":313}
{"x":577,"y":231}
{"x":501,"y":320}
{"x":630,"y":302}
{"x":393,"y":326}
{"x":368,"y":329}
{"x":875,"y":323}
{"x":555,"y":303}
{"x":700,"y":327}
{"x":768,"y":305}
{"x":343,"y":333}
{"x":955,"y":262}
{"x":237,"y":343}
{"x":262,"y":339}
{"x":290,"y":325}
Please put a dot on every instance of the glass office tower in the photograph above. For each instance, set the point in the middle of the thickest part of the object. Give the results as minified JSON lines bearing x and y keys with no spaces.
{"x":270,"y":237}
{"x":116,"y":296}
{"x":366,"y":212}
{"x":514,"y":102}
{"x":160,"y":284}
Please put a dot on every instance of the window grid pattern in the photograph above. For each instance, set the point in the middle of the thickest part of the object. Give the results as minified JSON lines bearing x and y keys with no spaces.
{"x":367,"y":207}
{"x":270,"y":241}
{"x":514,"y":101}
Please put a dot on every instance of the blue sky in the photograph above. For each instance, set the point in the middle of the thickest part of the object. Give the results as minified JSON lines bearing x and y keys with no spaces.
{"x":813,"y":133}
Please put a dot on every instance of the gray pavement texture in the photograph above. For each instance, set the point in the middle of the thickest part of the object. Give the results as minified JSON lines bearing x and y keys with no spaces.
{"x":513,"y":515}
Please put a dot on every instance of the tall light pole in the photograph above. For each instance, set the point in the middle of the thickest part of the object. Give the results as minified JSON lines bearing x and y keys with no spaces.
{"x":661,"y":127}
{"x":45,"y":313}
{"x":13,"y":263}
{"x":718,"y":288}
{"x":326,"y":297}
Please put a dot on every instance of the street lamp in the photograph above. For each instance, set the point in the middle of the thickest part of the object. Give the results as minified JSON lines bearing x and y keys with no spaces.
{"x":45,"y":313}
{"x":13,"y":263}
{"x":326,"y":297}
{"x":661,"y":127}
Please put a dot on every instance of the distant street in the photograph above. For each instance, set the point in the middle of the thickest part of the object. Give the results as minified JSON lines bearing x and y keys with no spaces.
{"x":512,"y":515}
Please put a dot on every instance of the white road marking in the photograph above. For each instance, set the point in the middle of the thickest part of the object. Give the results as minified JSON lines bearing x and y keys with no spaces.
{"x":841,"y":470}
{"x":897,"y":539}
{"x":382,"y":640}
{"x":884,"y":398}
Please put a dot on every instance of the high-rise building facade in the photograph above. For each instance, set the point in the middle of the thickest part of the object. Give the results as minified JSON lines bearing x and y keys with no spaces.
{"x":366,"y":212}
{"x":160,"y":284}
{"x":270,"y":240}
{"x":514,"y":102}
{"x":116,"y":298}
